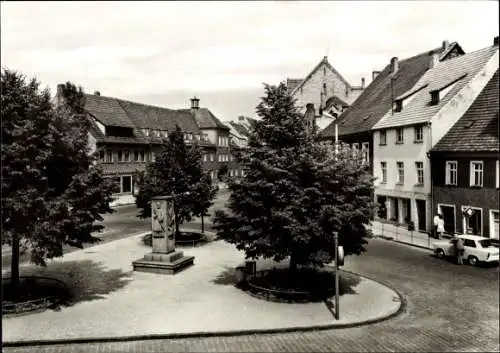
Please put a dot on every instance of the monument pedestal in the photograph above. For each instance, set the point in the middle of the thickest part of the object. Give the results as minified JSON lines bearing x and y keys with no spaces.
{"x":170,"y":263}
{"x":164,"y":258}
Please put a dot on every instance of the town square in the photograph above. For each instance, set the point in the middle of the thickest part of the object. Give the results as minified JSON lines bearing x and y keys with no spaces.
{"x":250,"y":176}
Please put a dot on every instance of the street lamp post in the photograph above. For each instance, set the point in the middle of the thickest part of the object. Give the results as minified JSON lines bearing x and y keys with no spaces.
{"x":336,"y":244}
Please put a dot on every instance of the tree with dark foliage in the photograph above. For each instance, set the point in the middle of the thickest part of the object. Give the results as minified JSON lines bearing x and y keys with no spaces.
{"x":52,"y":192}
{"x":296,"y":191}
{"x":176,"y":171}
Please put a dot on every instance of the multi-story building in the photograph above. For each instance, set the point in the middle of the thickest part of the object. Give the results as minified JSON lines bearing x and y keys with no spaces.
{"x":465,"y":171}
{"x":326,"y":89}
{"x":127,"y":135}
{"x":217,"y":134}
{"x":419,"y":118}
{"x":355,"y":124}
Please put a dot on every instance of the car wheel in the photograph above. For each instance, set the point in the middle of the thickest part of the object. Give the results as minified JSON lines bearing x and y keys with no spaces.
{"x":440,"y":253}
{"x":473,"y":261}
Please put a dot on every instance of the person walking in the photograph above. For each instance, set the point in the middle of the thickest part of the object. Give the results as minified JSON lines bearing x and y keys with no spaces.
{"x":459,"y":251}
{"x":440,"y":227}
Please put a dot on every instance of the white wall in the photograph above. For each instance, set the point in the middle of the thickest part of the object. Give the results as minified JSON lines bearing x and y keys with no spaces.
{"x":211,"y":134}
{"x":408,"y":153}
{"x":312,"y":88}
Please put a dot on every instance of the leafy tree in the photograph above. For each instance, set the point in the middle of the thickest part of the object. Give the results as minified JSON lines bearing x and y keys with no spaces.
{"x":52,"y":192}
{"x":177,"y":170}
{"x":222,"y":172}
{"x":295,"y":191}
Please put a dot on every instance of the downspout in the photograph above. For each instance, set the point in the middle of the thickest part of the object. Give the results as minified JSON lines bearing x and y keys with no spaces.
{"x":430,"y":220}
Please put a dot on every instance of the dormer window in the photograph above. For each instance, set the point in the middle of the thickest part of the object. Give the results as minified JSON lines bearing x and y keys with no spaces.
{"x":434,"y":97}
{"x":398,"y":105}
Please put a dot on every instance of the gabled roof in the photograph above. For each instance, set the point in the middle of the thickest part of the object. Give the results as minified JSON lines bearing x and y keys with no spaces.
{"x":376,"y":99}
{"x":334,"y":100}
{"x":205,"y":119}
{"x":107,"y":110}
{"x":316,"y":68}
{"x":454,"y":73}
{"x":121,"y":113}
{"x":292,"y":83}
{"x":477,"y":130}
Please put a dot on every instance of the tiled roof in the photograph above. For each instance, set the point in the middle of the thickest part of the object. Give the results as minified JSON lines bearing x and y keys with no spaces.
{"x":292,"y":83}
{"x":460,"y":69}
{"x":118,"y":112}
{"x":376,"y":99}
{"x":334,"y":100}
{"x":205,"y":119}
{"x":108,"y":111}
{"x":477,"y":130}
{"x":240,"y":128}
{"x":121,"y":168}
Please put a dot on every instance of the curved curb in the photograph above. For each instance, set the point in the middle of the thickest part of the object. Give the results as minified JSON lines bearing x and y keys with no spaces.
{"x":401,"y":309}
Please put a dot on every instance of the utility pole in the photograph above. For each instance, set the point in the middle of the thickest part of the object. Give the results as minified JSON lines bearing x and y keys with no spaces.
{"x":336,"y":244}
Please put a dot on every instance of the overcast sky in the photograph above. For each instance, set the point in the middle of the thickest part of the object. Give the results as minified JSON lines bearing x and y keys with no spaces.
{"x":163,"y":53}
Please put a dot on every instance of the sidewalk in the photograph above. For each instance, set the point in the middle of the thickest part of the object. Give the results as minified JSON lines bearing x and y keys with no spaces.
{"x":201,"y":299}
{"x":402,"y":235}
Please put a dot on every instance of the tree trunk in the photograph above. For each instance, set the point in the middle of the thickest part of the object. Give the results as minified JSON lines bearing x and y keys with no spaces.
{"x":202,"y":224}
{"x":293,"y":262}
{"x":14,"y":266}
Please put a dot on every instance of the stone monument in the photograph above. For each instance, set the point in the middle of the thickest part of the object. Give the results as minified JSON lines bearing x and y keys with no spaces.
{"x":164,"y":258}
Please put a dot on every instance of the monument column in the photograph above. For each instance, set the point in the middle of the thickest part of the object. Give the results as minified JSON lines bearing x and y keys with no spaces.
{"x":164,"y":258}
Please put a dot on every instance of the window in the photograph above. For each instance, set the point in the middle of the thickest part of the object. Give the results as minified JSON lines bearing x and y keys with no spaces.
{"x":120,"y":156}
{"x":126,"y":184}
{"x":102,"y":156}
{"x":383,"y":137}
{"x":476,"y":173}
{"x":212,"y":157}
{"x":109,"y":157}
{"x":355,"y":148}
{"x":469,"y":243}
{"x":383,"y":166}
{"x":419,"y":166}
{"x":400,"y":135}
{"x":498,"y":177}
{"x":434,"y":97}
{"x":419,"y":133}
{"x":365,"y":148}
{"x":398,"y":105}
{"x":126,"y":156}
{"x":141,"y":156}
{"x":451,"y":173}
{"x":153,"y":156}
{"x":205,"y":157}
{"x":401,"y":172}
{"x":122,"y":184}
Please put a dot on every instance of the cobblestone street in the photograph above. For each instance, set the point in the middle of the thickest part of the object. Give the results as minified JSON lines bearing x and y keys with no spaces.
{"x":450,"y":308}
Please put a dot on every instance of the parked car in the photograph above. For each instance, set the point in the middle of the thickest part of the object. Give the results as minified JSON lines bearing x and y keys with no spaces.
{"x":477,"y":249}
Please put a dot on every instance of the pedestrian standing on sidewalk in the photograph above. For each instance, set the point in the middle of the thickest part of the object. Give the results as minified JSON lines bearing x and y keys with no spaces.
{"x":436,"y":221}
{"x":440,"y":227}
{"x":459,"y":251}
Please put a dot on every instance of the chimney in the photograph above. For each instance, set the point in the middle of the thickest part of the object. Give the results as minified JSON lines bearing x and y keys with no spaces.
{"x":445,"y":45}
{"x":97,"y":93}
{"x":434,"y":60}
{"x":375,"y":74}
{"x":495,"y":41}
{"x":195,"y":103}
{"x":325,"y":59}
{"x":362,"y":82}
{"x":394,"y":65}
{"x":241,"y":118}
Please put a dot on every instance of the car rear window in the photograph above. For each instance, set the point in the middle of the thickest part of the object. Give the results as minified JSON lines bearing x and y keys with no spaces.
{"x":485,"y":243}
